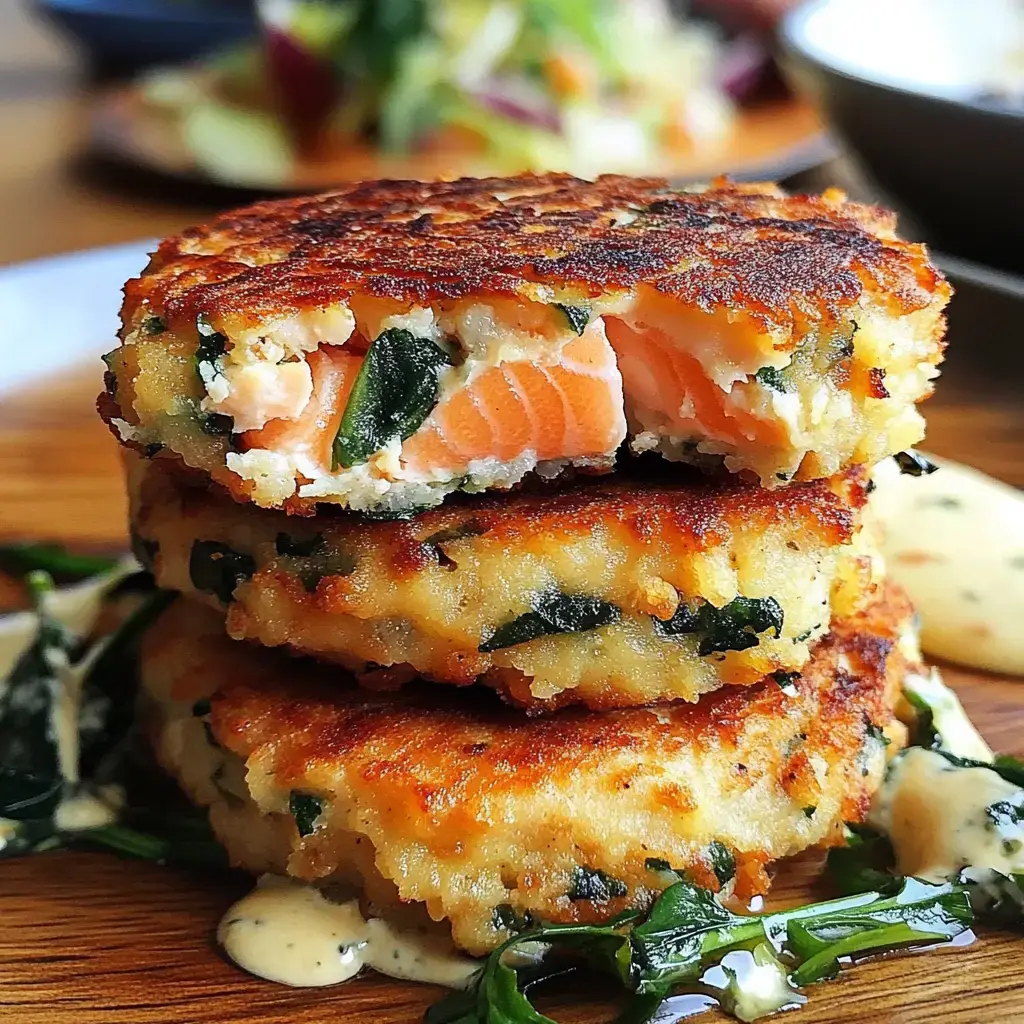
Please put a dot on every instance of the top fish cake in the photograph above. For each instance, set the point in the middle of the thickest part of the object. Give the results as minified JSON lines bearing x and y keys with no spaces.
{"x":382,"y":345}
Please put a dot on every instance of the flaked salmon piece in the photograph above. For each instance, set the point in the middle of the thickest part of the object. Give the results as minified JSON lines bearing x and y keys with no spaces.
{"x":669,"y":391}
{"x":310,"y":437}
{"x":570,"y":409}
{"x":446,"y":326}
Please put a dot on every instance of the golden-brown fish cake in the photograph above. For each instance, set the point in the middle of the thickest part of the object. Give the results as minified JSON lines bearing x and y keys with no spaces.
{"x":610,"y":592}
{"x":390,"y":342}
{"x":483,"y":815}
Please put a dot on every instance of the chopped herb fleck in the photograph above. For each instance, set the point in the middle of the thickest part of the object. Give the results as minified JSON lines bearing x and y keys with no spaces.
{"x":772,"y":378}
{"x":578,"y":316}
{"x":595,"y":885}
{"x":214,"y":568}
{"x":875,"y":732}
{"x":298,"y":547}
{"x":305,"y":809}
{"x":508,"y":917}
{"x":913,"y":463}
{"x":216,"y":424}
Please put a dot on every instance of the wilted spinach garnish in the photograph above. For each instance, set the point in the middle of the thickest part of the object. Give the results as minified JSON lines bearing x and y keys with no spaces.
{"x":578,"y":316}
{"x":772,"y":378}
{"x":722,"y":862}
{"x":595,"y":885}
{"x":90,"y":691}
{"x":734,"y":627}
{"x":305,"y":809}
{"x":154,"y":325}
{"x":214,"y":568}
{"x":1008,"y":768}
{"x":553,"y":613}
{"x":395,"y":390}
{"x":913,"y":463}
{"x":299,"y":547}
{"x":867,"y":862}
{"x":20,"y":559}
{"x":688,"y":931}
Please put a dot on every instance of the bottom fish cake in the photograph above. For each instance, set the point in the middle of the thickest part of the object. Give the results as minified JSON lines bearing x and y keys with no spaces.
{"x":487,"y":817}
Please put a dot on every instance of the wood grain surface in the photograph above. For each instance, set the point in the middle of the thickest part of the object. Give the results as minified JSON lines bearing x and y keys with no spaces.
{"x":91,"y":939}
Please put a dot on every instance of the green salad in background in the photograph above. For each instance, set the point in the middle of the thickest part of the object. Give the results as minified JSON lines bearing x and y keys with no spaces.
{"x":586,"y":86}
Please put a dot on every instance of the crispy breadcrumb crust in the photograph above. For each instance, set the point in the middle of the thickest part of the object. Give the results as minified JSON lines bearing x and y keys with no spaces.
{"x":733,"y":246}
{"x":449,"y":799}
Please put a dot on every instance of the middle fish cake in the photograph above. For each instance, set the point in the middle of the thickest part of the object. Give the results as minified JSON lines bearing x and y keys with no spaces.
{"x":611,"y":592}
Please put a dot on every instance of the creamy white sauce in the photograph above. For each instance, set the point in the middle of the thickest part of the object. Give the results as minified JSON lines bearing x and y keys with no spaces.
{"x":955,"y":541}
{"x":83,"y":810}
{"x":77,"y":609}
{"x":291,"y":933}
{"x":753,"y":984}
{"x":941,"y":818}
{"x":955,"y":730}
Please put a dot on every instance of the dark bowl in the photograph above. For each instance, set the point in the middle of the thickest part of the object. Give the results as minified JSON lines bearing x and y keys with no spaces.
{"x":124,"y":36}
{"x":907,"y":85}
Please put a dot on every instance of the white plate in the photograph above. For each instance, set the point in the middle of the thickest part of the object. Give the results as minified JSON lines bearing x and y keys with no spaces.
{"x":62,"y":310}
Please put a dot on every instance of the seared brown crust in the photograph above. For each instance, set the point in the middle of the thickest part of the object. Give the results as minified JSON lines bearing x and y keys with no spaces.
{"x":448,"y":750}
{"x":697,"y":512}
{"x":779,"y":258}
{"x":465,"y":804}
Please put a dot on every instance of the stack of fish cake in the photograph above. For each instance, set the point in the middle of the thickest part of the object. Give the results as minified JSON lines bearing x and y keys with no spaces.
{"x":521,"y":527}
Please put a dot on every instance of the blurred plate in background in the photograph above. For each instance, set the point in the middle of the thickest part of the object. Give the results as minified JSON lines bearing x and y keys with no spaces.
{"x":126,"y":35}
{"x":772,"y":139}
{"x":930,"y":94}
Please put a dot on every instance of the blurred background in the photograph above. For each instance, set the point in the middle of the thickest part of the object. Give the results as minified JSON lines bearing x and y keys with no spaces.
{"x":125,"y":120}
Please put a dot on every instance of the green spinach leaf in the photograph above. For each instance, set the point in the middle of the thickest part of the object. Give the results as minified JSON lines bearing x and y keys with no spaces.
{"x":553,"y":613}
{"x":734,"y":627}
{"x":63,"y":566}
{"x":395,"y":390}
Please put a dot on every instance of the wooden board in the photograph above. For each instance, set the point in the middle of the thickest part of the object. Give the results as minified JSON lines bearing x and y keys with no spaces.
{"x":91,"y":939}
